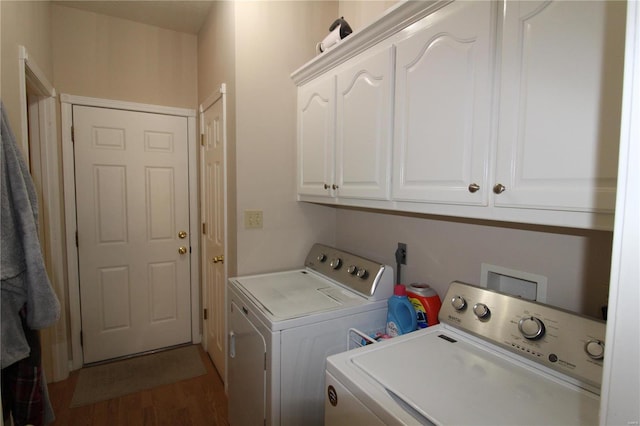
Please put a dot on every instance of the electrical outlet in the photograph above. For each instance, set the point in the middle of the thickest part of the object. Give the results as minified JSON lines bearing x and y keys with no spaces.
{"x":252,"y":219}
{"x":401,"y":254}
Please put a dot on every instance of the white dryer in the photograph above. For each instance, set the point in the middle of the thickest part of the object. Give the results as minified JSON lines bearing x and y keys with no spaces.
{"x":283,"y":325}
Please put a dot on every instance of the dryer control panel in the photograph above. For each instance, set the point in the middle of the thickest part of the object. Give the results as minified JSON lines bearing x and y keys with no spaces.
{"x":364,"y":276}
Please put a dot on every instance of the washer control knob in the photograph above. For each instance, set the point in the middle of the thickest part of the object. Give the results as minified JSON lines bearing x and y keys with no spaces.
{"x":362,"y":273}
{"x":458,"y":303}
{"x":352,"y":269}
{"x":322,"y":257}
{"x":531,"y":328}
{"x":481,"y":310}
{"x":595,"y":349}
{"x":336,"y":263}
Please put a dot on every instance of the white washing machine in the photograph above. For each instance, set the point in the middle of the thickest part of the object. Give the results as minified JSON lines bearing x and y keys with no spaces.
{"x":283,"y":325}
{"x":493,"y":360}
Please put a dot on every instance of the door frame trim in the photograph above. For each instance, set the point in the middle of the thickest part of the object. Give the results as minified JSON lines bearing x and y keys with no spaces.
{"x":54,"y":338}
{"x":66,"y":117}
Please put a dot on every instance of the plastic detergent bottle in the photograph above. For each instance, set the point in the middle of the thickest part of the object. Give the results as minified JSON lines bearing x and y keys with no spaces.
{"x":426,"y":302}
{"x":401,"y":316}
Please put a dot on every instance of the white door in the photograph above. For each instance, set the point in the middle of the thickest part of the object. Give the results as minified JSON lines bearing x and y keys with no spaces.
{"x":364,"y":104}
{"x":213,"y":200}
{"x":316,"y":137}
{"x":132,"y":200}
{"x":560,"y":105}
{"x":247,"y":369}
{"x":443,"y":104}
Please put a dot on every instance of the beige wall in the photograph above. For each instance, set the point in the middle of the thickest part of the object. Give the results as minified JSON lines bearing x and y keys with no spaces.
{"x":216,"y":65}
{"x":112,"y":58}
{"x":25,"y":23}
{"x":272,"y":40}
{"x":576,"y":262}
{"x":359,"y":14}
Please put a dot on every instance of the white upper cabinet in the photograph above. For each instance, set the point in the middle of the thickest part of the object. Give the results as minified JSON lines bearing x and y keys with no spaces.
{"x":363,"y":126}
{"x":492,"y":110}
{"x":316,"y":136}
{"x":344,"y":129}
{"x":443,"y":105}
{"x":560,"y":97}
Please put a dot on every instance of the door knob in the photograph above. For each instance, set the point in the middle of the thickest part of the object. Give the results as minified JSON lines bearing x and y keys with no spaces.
{"x":499,"y":188}
{"x":182,"y":234}
{"x":182,"y":250}
{"x":217,"y":259}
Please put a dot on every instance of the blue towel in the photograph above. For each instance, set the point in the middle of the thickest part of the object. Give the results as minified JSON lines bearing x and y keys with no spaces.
{"x":23,"y":277}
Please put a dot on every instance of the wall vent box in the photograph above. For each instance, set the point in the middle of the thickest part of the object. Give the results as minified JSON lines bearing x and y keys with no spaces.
{"x":516,"y":283}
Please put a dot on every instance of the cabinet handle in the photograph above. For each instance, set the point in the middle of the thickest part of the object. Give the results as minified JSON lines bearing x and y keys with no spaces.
{"x":326,"y":186}
{"x":334,"y":186}
{"x":499,"y":188}
{"x":474,"y":187}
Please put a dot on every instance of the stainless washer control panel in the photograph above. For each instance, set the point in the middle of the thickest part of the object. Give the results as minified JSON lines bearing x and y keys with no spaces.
{"x":367,"y":277}
{"x":558,"y":339}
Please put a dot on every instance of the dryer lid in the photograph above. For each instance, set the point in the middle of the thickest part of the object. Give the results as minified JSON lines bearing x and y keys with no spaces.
{"x":292,"y":294}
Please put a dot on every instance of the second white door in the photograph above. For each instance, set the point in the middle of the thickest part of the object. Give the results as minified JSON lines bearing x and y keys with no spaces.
{"x":133,"y":217}
{"x":213,"y":246}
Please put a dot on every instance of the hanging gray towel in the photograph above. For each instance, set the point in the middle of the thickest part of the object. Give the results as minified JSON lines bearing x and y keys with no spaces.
{"x":23,"y":276}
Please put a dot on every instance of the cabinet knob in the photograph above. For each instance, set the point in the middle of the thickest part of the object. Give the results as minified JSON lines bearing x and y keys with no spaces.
{"x":474,"y":187}
{"x":499,"y":188}
{"x":334,"y":186}
{"x":327,"y":186}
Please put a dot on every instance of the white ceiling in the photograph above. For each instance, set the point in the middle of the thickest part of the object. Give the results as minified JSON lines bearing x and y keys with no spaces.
{"x":184,"y":16}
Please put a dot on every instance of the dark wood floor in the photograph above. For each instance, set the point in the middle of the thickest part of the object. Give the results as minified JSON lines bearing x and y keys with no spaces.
{"x":197,"y":401}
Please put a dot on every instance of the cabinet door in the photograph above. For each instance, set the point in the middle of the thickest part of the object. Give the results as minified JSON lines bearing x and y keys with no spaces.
{"x":316,"y":137}
{"x":363,"y":127}
{"x":443,"y":106}
{"x":560,"y":105}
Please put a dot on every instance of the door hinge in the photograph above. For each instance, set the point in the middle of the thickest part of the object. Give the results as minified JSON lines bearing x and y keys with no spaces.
{"x":73,"y":134}
{"x":76,"y":238}
{"x":206,"y":313}
{"x":204,"y":228}
{"x":202,"y":139}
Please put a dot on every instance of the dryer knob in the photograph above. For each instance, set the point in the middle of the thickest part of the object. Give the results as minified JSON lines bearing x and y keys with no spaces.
{"x":336,"y":263}
{"x":482,"y":311}
{"x":595,"y":349}
{"x":352,"y":269}
{"x":531,"y":328}
{"x":322,"y":257}
{"x":362,"y":273}
{"x":458,"y":303}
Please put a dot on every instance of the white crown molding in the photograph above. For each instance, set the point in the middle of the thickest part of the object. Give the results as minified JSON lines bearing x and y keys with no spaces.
{"x":394,"y":20}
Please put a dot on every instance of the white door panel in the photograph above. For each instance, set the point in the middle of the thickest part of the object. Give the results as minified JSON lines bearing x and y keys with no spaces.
{"x":213,"y":198}
{"x":443,"y":104}
{"x":559,"y":125}
{"x":363,"y":127}
{"x":132,"y":201}
{"x":247,"y":369}
{"x":316,"y":138}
